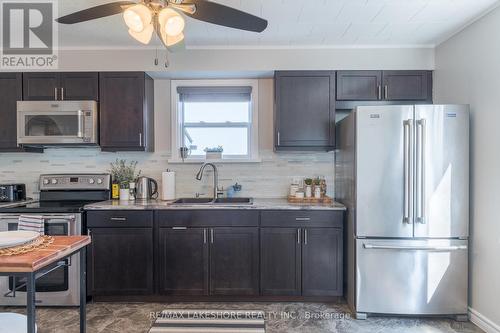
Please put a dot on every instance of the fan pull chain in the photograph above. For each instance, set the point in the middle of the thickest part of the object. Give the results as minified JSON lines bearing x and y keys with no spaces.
{"x":156,"y":57}
{"x":167,"y":62}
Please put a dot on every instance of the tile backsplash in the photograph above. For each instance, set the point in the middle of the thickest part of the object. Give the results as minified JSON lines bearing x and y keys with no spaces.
{"x":268,"y":179}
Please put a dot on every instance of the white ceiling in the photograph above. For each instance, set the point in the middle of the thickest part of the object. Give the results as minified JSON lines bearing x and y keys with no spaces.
{"x":300,"y":23}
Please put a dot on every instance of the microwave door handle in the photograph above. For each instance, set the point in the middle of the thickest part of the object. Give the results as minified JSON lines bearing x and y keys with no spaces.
{"x":81,"y":123}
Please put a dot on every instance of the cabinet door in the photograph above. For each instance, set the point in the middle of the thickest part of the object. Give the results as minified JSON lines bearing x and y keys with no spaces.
{"x":121,"y":261}
{"x":322,"y":262}
{"x":280,"y":261}
{"x":11,"y":91}
{"x":41,"y":86}
{"x":359,"y":85}
{"x":305,"y":110}
{"x":121,"y":111}
{"x":407,"y":85}
{"x":234,"y":261}
{"x":183,"y":261}
{"x":81,"y":86}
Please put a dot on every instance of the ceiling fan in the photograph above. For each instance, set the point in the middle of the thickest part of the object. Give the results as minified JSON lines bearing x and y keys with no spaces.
{"x":147,"y":16}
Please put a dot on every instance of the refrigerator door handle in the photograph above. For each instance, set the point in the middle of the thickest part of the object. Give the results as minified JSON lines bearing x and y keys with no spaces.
{"x":421,"y":134}
{"x":407,"y":160}
{"x":415,"y":248}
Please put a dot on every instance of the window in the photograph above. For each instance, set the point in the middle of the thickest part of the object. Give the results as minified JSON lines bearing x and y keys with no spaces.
{"x":215,"y":113}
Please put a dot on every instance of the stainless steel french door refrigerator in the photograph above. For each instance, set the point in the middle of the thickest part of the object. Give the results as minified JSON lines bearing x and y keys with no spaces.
{"x":403,"y":173}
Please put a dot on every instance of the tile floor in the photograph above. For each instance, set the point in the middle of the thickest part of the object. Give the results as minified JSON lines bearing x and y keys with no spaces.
{"x":282,"y":317}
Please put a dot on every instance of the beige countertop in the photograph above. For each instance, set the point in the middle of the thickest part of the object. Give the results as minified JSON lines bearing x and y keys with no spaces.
{"x":258,"y":204}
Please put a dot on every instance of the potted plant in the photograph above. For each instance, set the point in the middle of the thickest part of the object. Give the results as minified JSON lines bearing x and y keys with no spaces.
{"x":317,"y":188}
{"x":124,"y":173}
{"x":308,"y":187}
{"x":214,"y":153}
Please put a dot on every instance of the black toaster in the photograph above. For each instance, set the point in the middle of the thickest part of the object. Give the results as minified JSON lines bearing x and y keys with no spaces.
{"x":12,"y":192}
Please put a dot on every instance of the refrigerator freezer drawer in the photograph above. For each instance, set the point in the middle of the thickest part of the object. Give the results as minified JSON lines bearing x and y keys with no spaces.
{"x":411,"y":277}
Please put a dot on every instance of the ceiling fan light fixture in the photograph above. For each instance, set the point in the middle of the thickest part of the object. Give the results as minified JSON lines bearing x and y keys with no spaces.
{"x":173,"y":40}
{"x":144,"y":36}
{"x":137,"y":17}
{"x":171,"y":22}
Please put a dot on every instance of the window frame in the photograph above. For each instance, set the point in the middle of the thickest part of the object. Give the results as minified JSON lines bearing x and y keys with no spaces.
{"x":177,"y":120}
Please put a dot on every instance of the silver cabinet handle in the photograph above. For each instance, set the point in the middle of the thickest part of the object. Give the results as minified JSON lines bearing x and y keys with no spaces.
{"x":379,"y":88}
{"x":414,"y":248}
{"x":421,"y":133}
{"x":62,"y":94}
{"x":298,"y":236}
{"x":386,"y":92}
{"x":204,"y":236}
{"x":140,"y":139}
{"x":121,"y":219}
{"x":81,"y":124}
{"x":305,"y":236}
{"x":55,"y":94}
{"x":408,"y":174}
{"x":212,"y":236}
{"x":302,"y":219}
{"x":279,"y":141}
{"x":179,"y":228}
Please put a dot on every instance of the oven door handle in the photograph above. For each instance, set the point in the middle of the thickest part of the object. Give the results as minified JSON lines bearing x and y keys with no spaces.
{"x":47,"y":217}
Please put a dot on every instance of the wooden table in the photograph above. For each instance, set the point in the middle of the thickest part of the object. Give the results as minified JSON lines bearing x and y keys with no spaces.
{"x":35,"y":264}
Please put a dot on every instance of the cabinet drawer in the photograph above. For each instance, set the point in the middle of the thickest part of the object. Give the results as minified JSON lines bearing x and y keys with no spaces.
{"x":280,"y":218}
{"x":119,"y":219}
{"x":208,"y":218}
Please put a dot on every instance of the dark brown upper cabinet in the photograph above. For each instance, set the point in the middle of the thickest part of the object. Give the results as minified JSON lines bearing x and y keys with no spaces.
{"x":384,"y":86}
{"x":77,"y":86}
{"x":359,"y":85}
{"x":304,"y":110}
{"x":126,"y":111}
{"x":407,"y":85}
{"x":11,"y":91}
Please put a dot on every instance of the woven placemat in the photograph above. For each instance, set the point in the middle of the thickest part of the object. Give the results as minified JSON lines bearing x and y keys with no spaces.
{"x":38,"y":243}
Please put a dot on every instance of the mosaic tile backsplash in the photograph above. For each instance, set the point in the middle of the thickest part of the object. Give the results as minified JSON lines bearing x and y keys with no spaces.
{"x":268,"y":179}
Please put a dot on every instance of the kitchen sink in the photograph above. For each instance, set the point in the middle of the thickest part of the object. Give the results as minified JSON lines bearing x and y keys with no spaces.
{"x":218,"y":201}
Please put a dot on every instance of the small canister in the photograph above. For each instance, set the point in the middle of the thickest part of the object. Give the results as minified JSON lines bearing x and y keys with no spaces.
{"x":115,"y":191}
{"x":293,"y":189}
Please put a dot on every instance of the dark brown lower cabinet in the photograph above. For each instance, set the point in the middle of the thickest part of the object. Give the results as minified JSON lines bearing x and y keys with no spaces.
{"x":121,"y":261}
{"x":234,"y":261}
{"x":183,"y":254}
{"x":280,"y":261}
{"x":301,"y":261}
{"x":322,"y":262}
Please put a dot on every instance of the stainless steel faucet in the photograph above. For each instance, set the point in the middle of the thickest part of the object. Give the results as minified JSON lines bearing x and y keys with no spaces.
{"x":199,"y":176}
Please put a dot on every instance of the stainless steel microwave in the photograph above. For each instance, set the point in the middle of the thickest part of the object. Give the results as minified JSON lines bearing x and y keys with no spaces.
{"x":57,"y":123}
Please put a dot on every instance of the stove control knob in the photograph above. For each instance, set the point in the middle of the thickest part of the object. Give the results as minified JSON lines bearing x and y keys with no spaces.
{"x":91,"y":181}
{"x":45,"y":181}
{"x":99,"y":181}
{"x":53,"y":181}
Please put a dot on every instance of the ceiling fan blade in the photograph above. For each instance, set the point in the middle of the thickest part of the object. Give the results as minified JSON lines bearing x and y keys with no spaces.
{"x":226,"y":16}
{"x":96,"y":12}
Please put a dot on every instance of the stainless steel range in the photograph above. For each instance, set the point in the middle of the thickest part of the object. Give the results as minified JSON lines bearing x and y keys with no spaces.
{"x":62,"y":197}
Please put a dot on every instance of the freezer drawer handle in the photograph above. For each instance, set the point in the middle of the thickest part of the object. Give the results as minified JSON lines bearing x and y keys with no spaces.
{"x":302,"y":219}
{"x":415,"y":248}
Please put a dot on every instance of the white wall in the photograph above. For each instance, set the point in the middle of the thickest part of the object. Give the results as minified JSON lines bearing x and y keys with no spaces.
{"x":248,"y":60}
{"x":468,"y":71}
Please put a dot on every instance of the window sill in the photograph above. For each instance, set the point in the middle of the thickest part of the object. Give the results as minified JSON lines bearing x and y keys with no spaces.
{"x":224,"y":160}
